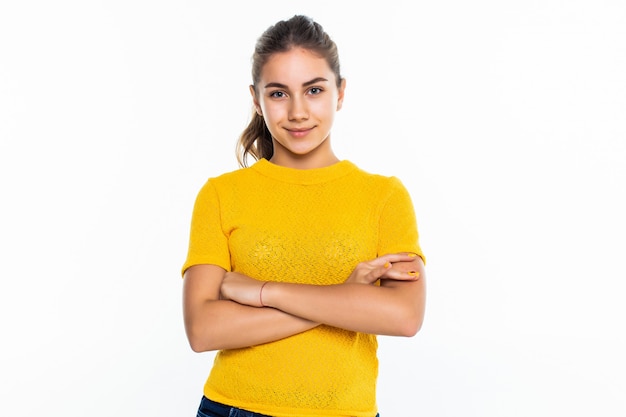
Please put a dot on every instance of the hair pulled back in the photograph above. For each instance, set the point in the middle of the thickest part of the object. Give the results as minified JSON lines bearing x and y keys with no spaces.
{"x":296,"y":32}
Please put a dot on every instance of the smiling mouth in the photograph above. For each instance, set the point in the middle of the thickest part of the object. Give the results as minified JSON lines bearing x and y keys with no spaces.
{"x":299,"y":132}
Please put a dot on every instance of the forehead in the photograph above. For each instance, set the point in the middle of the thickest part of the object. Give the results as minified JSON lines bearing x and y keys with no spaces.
{"x":295,"y":66}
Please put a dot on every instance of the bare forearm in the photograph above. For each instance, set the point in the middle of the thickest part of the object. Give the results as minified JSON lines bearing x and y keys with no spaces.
{"x":394,"y":310}
{"x":223,"y":324}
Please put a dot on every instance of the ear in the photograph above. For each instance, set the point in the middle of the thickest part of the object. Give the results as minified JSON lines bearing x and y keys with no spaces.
{"x":342,"y":89}
{"x":257,"y":106}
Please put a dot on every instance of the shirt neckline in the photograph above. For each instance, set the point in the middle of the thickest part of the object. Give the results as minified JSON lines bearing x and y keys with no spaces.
{"x":303,"y":176}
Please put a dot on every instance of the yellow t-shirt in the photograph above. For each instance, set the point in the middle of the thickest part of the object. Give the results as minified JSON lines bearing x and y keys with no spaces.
{"x":303,"y":226}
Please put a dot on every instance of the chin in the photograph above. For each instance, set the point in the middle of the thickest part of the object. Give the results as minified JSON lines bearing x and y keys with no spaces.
{"x":303,"y":151}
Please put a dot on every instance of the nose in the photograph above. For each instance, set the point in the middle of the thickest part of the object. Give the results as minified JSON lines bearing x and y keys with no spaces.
{"x":298,"y":109}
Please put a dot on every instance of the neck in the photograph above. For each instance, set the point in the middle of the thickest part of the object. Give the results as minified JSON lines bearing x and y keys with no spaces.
{"x":304,"y":163}
{"x":321,"y":157}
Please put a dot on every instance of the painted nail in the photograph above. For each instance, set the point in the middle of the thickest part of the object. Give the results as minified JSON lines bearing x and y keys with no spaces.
{"x":414,"y":273}
{"x":412,"y":255}
{"x":387,"y":265}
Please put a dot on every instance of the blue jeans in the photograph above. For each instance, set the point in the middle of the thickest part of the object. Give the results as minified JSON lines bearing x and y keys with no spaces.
{"x":210,"y":408}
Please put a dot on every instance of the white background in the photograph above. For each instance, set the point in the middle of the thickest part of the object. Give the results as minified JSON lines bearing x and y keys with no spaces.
{"x":505,"y":120}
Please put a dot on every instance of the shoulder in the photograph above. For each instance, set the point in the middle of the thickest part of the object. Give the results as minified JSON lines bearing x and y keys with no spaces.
{"x":389,"y":183}
{"x":228,"y":178}
{"x":217,"y":187}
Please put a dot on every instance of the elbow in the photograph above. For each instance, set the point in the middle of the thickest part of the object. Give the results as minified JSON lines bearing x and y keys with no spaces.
{"x":410,"y":327}
{"x":412,"y":314}
{"x":411,"y":323}
{"x":200,"y":346}
{"x":197,"y":346}
{"x":199,"y":341}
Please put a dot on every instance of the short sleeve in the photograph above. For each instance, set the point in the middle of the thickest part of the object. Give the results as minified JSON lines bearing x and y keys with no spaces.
{"x":398,"y":225}
{"x":208,"y":244}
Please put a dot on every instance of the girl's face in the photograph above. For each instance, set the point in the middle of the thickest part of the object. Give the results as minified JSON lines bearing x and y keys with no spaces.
{"x":298,"y":97}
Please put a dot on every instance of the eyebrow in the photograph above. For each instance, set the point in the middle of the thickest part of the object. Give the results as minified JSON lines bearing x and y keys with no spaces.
{"x":306,"y":84}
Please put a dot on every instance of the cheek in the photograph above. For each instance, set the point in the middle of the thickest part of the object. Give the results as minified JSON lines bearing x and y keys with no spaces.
{"x":272,"y":111}
{"x":324,"y":108}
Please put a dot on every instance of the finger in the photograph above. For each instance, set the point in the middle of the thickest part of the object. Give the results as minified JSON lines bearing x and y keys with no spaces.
{"x":397,"y":257}
{"x":379,"y":271}
{"x":396,"y":274}
{"x":413,"y":265}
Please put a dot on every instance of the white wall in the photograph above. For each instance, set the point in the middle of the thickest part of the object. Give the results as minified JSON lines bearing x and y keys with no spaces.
{"x":506,"y":121}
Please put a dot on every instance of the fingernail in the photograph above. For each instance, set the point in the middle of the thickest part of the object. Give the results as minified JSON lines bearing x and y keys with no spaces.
{"x":387,"y":265}
{"x":414,"y":273}
{"x":412,"y":255}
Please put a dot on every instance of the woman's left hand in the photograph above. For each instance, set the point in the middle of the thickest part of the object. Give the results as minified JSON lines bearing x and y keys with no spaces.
{"x":241,"y":289}
{"x":395,"y":266}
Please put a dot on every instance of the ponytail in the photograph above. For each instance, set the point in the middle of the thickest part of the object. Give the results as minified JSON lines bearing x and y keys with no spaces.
{"x":255,"y":140}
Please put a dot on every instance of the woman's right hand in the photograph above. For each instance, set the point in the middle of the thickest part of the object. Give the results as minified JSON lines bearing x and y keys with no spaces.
{"x":397,"y":266}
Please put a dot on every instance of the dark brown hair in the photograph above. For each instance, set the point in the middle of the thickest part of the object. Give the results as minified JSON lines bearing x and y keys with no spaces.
{"x":297,"y":32}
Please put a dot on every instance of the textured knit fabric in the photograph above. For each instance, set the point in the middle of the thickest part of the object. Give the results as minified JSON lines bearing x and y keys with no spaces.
{"x":302,"y":226}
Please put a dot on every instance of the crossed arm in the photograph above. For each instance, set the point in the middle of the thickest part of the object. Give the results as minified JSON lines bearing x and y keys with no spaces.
{"x":226,"y":310}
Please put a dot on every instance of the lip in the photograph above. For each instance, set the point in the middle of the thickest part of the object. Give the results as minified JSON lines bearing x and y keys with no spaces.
{"x":299,"y":132}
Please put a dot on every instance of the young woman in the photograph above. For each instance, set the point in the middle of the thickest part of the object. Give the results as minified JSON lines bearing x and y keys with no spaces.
{"x":297,"y":262}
